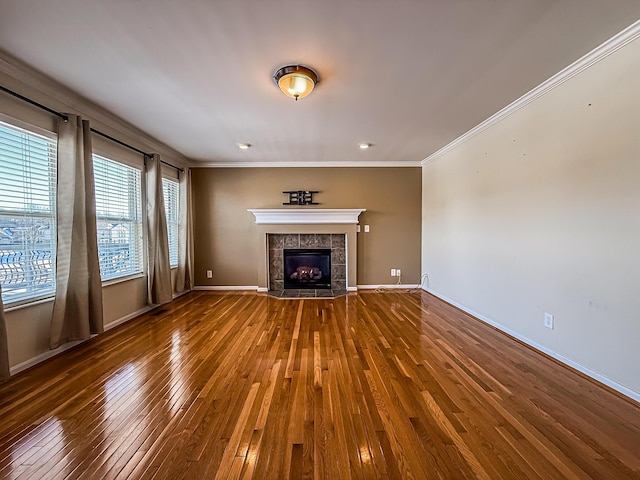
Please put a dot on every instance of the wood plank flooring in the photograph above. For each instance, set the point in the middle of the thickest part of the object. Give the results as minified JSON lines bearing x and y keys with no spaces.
{"x":392,"y":385}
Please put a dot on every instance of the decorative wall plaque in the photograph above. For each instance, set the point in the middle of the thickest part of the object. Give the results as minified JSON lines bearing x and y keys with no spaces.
{"x":300,"y":197}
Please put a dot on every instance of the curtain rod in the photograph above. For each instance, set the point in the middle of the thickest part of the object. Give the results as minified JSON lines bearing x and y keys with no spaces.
{"x":34,"y":103}
{"x":97,"y":132}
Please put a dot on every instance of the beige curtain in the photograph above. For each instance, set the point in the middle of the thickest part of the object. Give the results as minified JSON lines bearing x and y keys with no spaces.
{"x":159,"y":270}
{"x":185,"y":248}
{"x":4,"y":347}
{"x":77,"y":309}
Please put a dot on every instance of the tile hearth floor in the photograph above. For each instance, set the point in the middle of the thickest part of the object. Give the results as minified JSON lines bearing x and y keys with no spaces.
{"x":307,"y":293}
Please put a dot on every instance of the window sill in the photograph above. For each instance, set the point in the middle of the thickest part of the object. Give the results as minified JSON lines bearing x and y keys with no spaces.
{"x":39,"y":301}
{"x":28,"y":303}
{"x":114,"y":281}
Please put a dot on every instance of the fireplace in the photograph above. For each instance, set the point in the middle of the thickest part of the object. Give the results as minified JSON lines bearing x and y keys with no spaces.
{"x":327,"y":280}
{"x":307,"y":268}
{"x":280,"y":229}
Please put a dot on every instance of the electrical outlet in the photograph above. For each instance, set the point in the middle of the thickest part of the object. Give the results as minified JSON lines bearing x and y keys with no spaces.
{"x":393,"y":272}
{"x":209,"y":274}
{"x":548,"y":320}
{"x":398,"y":272}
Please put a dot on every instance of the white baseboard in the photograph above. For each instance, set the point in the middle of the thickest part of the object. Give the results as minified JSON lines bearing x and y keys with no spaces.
{"x":401,"y":286}
{"x":254,"y":288}
{"x":226,"y":287}
{"x":177,"y":295}
{"x":126,"y":318}
{"x":567,"y":361}
{"x":63,"y":348}
{"x":42,"y":357}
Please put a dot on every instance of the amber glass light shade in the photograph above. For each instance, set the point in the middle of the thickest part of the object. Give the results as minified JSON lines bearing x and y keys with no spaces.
{"x":296,"y":81}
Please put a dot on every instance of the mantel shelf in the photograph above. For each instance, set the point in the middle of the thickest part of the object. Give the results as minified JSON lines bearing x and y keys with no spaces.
{"x":281,"y":216}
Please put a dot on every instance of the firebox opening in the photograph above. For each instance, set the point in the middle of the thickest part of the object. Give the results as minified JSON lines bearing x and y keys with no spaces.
{"x":307,"y":268}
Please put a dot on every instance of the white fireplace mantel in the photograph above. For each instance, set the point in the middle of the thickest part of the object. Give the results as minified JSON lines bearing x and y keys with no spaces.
{"x":282,"y":216}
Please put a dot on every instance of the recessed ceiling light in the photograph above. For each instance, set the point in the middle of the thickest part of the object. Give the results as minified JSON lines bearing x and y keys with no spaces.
{"x":244,"y":146}
{"x":364,"y":146}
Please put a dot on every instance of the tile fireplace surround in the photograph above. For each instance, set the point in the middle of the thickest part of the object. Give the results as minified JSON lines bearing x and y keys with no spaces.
{"x":278,"y":242}
{"x":301,"y":228}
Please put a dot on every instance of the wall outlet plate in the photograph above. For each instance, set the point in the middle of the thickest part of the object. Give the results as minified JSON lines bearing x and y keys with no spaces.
{"x":393,"y":272}
{"x":209,"y":274}
{"x":548,"y":320}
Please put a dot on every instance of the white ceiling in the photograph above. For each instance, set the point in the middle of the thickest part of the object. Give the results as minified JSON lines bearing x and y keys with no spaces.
{"x":408,"y":76}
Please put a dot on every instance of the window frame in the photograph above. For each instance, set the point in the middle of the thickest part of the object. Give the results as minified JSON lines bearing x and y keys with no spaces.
{"x":176,"y":224}
{"x":52,"y":144}
{"x":136,"y":218}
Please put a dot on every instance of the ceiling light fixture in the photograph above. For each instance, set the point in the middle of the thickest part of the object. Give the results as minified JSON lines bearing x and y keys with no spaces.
{"x":295,"y":81}
{"x":364,"y":146}
{"x":244,"y":146}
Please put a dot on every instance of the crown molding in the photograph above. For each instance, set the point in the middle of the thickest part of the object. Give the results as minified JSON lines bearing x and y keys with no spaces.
{"x":34,"y":84}
{"x":331,"y":164}
{"x":615,"y":43}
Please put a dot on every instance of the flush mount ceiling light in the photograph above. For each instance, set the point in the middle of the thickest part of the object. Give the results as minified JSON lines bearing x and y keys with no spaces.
{"x":295,"y":81}
{"x":364,"y":146}
{"x":244,"y":146}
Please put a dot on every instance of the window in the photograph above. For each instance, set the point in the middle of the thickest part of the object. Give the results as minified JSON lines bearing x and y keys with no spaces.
{"x":170,"y":191}
{"x":27,"y":214}
{"x":118,"y":218}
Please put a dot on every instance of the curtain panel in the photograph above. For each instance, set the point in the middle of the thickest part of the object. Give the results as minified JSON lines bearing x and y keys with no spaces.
{"x":185,"y":236}
{"x":159,"y":270}
{"x":77,"y":308}
{"x":4,"y":347}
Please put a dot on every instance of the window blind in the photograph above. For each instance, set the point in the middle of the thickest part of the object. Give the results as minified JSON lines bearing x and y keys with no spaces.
{"x":170,"y":191}
{"x":27,"y":214}
{"x":118,"y":218}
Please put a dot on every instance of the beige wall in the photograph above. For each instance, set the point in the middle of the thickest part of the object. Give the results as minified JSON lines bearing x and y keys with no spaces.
{"x":28,"y":326}
{"x":225,"y":233}
{"x":541,"y":213}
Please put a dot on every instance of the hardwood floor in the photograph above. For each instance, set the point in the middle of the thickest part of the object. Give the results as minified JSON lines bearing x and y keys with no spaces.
{"x":374,"y":385}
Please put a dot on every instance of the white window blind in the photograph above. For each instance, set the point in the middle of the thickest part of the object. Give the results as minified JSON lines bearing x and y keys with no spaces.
{"x":27,"y":214}
{"x":119,"y":218}
{"x":170,"y":191}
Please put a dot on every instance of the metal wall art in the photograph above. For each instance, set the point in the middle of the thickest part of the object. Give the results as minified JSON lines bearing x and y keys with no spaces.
{"x":300,"y":197}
